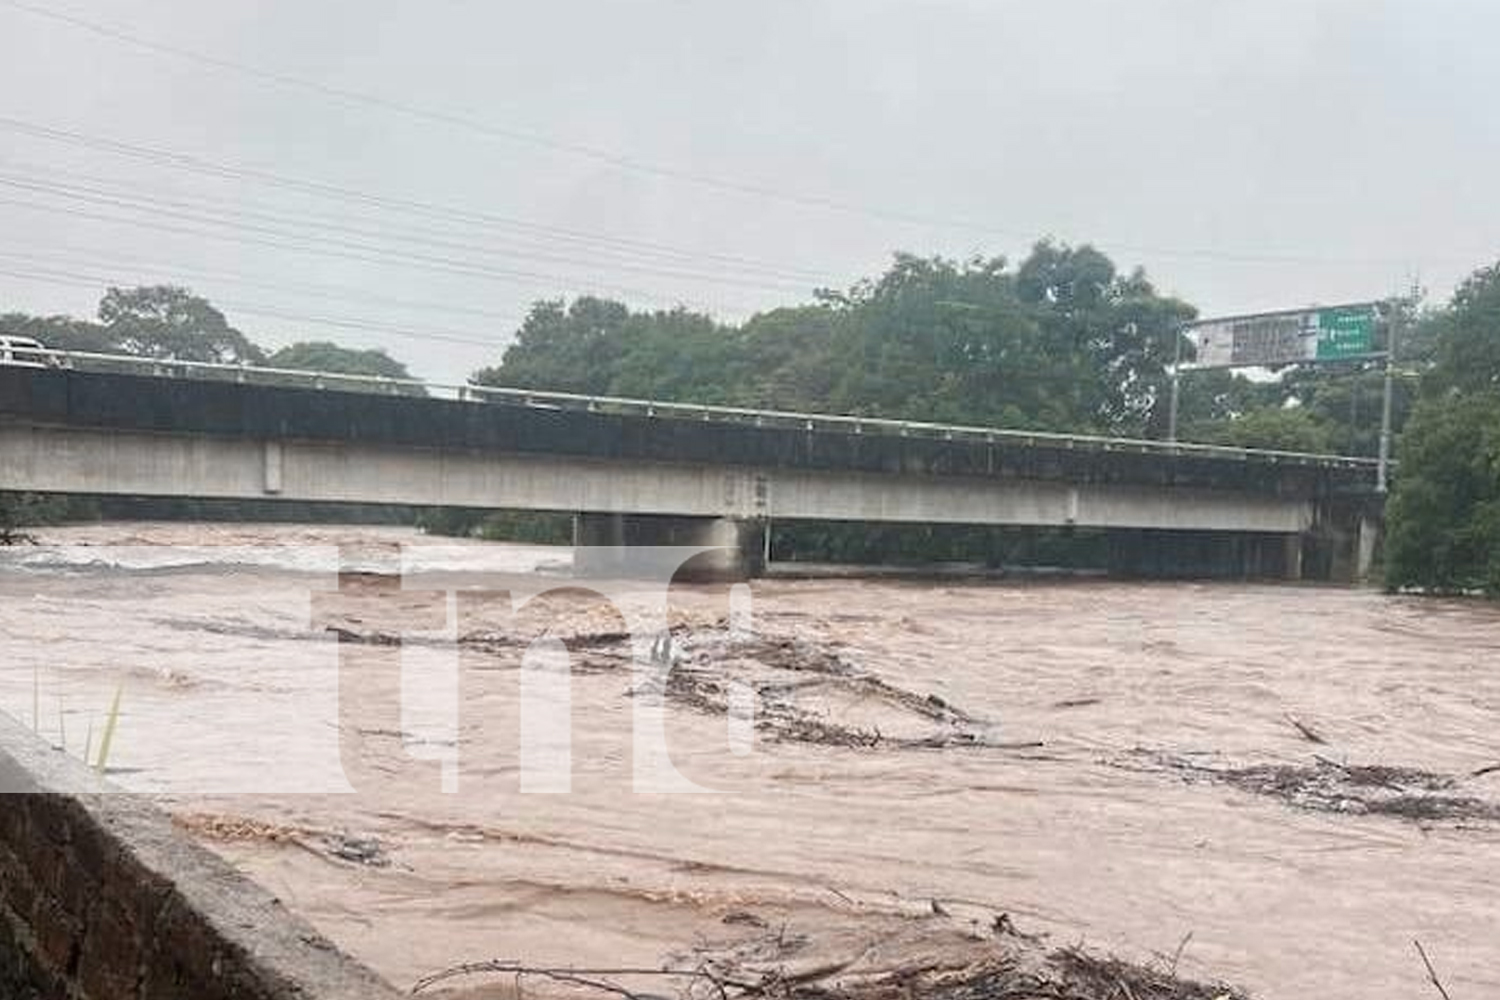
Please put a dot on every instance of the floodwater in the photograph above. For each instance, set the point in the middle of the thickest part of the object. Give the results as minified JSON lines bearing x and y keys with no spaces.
{"x":974,"y":750}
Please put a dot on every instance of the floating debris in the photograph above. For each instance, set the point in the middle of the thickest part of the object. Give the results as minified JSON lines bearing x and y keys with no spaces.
{"x":223,"y":828}
{"x":1328,"y":785}
{"x":803,"y":692}
{"x":783,"y":965}
{"x":357,"y":850}
{"x":809,"y":693}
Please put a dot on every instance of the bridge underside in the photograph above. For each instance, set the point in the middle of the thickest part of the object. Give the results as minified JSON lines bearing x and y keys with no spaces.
{"x":36,"y":457}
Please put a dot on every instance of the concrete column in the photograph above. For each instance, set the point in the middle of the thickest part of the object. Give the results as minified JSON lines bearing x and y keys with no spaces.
{"x":1292,"y":561}
{"x":273,"y":467}
{"x":598,"y":530}
{"x":1367,"y":536}
{"x":640,"y":545}
{"x":1352,"y":537}
{"x":1343,"y":562}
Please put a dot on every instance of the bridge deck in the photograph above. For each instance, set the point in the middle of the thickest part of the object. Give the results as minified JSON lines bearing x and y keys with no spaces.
{"x":536,"y":424}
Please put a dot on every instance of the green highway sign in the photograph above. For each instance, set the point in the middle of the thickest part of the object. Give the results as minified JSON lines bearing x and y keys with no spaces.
{"x":1347,"y":332}
{"x":1291,"y":336}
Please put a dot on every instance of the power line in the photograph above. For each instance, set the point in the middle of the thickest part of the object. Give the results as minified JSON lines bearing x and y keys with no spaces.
{"x":367,"y":100}
{"x":205,"y":167}
{"x":189,"y":210}
{"x":73,"y":255}
{"x":523,"y":240}
{"x":74,"y":279}
{"x":611,"y":158}
{"x":324,"y":247}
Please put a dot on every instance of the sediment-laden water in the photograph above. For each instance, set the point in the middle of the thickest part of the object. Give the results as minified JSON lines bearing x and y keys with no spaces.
{"x":1278,"y":787}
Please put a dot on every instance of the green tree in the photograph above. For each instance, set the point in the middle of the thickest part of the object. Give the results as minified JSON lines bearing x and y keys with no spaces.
{"x":61,"y":332}
{"x":676,"y":355}
{"x":1466,"y":336}
{"x":563,"y":347}
{"x":935,"y":339}
{"x":173,"y":324}
{"x":1214,"y":395}
{"x":788,"y":358}
{"x":1443,"y":520}
{"x":1115,"y":331}
{"x":323,"y":356}
{"x":1063,"y":342}
{"x":1286,"y":428}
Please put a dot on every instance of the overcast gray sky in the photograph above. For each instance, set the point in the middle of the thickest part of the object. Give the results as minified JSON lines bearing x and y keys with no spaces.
{"x":725,"y":156}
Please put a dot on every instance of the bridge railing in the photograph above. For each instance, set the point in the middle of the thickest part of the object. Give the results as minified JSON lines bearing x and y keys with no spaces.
{"x":780,"y":419}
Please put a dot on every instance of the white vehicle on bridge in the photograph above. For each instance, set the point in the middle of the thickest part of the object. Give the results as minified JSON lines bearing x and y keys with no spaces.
{"x":23,"y":352}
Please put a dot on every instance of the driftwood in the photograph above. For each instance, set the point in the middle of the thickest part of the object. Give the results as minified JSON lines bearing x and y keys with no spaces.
{"x":591,"y":978}
{"x":1070,"y":973}
{"x":1432,"y":975}
{"x":1328,"y":785}
{"x":1308,"y":733}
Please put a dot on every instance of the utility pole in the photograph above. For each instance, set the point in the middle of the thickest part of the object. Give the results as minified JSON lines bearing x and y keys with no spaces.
{"x":1393,"y":339}
{"x":1176,"y":390}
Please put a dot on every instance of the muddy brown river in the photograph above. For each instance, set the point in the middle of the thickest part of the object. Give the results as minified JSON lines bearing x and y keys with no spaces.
{"x":1175,"y":773}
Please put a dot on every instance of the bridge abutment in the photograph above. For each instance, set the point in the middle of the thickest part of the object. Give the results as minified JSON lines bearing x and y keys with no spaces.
{"x":650,"y":545}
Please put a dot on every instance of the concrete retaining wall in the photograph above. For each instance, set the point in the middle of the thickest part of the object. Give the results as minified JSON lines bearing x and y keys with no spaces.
{"x":101,"y":898}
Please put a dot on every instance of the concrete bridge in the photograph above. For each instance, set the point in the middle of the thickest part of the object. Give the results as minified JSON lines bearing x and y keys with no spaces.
{"x":637,"y":472}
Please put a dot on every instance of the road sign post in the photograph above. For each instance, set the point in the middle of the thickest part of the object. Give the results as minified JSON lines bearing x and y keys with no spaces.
{"x":1318,"y":335}
{"x":1383,"y":468}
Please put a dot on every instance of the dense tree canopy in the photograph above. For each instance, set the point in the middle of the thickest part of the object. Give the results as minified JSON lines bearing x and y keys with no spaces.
{"x":173,"y":324}
{"x":61,"y":332}
{"x":1278,"y":428}
{"x":564,"y":347}
{"x":1063,"y":342}
{"x":1444,"y":518}
{"x":323,"y":356}
{"x":1465,"y":338}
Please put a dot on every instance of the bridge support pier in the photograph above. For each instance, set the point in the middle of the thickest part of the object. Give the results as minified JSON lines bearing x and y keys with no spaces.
{"x":1350,"y":533}
{"x":1367,"y":538}
{"x":1291,"y":560}
{"x":626,"y":545}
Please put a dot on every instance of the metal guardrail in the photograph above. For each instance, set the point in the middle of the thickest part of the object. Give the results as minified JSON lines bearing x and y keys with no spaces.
{"x":784,"y":419}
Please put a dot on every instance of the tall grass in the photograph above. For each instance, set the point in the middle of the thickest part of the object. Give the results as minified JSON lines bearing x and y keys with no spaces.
{"x":106,"y":741}
{"x":107,"y":738}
